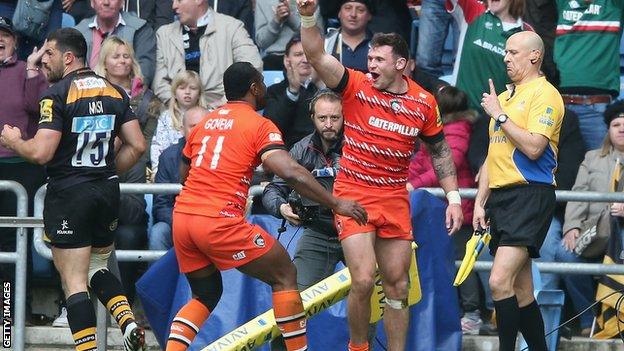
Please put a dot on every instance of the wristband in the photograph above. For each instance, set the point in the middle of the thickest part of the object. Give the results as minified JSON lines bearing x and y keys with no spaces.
{"x":453,"y":197}
{"x":308,"y":21}
{"x":32,"y":69}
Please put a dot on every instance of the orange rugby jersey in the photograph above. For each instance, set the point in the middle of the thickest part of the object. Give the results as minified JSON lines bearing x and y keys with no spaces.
{"x":223,"y":149}
{"x":381,"y":129}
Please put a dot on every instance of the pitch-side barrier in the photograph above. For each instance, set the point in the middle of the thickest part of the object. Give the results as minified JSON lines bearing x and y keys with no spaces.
{"x":22,"y":221}
{"x":16,"y":316}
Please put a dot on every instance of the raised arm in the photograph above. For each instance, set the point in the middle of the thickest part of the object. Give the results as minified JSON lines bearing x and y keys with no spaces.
{"x":530,"y":143}
{"x":329,"y":69}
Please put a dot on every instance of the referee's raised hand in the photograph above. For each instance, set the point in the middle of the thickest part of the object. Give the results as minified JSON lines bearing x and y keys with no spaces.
{"x":490,"y":102}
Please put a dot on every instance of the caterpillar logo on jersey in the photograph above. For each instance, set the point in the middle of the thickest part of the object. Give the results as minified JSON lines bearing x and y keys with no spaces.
{"x":45,"y":111}
{"x":258,"y":240}
{"x":239,"y":256}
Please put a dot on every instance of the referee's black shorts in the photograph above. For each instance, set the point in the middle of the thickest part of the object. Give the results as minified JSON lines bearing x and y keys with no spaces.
{"x":82,"y":215}
{"x":520,"y":216}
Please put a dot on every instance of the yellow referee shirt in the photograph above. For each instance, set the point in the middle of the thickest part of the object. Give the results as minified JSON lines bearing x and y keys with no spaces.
{"x":535,"y":106}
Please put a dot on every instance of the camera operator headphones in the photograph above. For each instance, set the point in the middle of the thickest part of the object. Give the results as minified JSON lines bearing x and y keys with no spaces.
{"x":320,"y":94}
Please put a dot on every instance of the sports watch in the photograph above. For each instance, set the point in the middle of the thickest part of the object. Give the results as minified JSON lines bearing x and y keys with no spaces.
{"x":502,"y":118}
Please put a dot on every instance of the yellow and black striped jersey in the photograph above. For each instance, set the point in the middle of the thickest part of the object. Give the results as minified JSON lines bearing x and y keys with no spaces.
{"x":88,"y":110}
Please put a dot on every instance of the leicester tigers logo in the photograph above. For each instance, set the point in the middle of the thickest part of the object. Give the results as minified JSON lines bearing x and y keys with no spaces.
{"x":396,"y":105}
{"x":258,"y":240}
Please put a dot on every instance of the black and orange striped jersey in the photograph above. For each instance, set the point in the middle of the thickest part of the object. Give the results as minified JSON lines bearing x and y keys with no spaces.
{"x":88,"y":110}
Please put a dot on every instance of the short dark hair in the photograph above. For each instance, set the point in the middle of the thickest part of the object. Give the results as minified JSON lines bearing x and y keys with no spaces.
{"x":323,"y":94}
{"x":70,"y":39}
{"x":450,"y":99}
{"x":296,"y":38}
{"x":238,"y":78}
{"x":396,"y":42}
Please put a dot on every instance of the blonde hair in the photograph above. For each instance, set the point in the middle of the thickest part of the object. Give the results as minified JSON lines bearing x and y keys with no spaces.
{"x":108,"y":48}
{"x":184,"y":78}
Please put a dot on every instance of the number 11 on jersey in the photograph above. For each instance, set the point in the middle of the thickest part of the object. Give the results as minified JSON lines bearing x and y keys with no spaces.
{"x":216,"y":152}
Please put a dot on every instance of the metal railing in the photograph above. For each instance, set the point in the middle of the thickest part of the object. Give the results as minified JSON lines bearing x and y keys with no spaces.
{"x":19,"y":258}
{"x":22,"y":222}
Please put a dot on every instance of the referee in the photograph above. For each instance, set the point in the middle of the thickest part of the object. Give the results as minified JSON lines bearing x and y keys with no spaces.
{"x":81,"y":115}
{"x":516,"y":186}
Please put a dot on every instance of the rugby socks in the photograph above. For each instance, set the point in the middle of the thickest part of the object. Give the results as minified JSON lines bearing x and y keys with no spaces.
{"x":81,"y":318}
{"x":508,"y":322}
{"x":110,"y":293}
{"x":532,"y":327}
{"x":290,"y":318}
{"x":360,"y":347}
{"x":185,"y":325}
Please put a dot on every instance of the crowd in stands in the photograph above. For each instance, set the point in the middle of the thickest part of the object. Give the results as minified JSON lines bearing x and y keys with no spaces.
{"x":170,"y":55}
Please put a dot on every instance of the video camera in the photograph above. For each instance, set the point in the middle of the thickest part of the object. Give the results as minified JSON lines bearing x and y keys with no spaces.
{"x":308,"y":210}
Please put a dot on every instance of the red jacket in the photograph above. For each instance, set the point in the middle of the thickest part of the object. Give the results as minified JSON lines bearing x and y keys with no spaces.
{"x":457,"y":129}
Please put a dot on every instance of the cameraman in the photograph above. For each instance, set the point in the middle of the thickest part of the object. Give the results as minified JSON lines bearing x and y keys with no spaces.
{"x":318,"y":250}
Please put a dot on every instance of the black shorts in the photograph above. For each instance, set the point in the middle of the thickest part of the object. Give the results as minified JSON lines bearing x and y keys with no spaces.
{"x":520,"y":216}
{"x":82,"y":215}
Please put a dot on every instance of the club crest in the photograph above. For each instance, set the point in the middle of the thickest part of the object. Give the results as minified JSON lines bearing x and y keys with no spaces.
{"x":396,"y":105}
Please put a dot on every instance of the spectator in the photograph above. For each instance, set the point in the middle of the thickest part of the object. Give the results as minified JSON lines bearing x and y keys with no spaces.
{"x":433,"y":30}
{"x":388,"y":15}
{"x":203,"y":41}
{"x":457,"y":121}
{"x":594,"y":174}
{"x":276,"y":22}
{"x":349,"y":43}
{"x":587,"y":47}
{"x":118,"y":64}
{"x":187,"y":93}
{"x":242,"y":10}
{"x":110,"y":20}
{"x":485,"y":27}
{"x":168,"y":172}
{"x":79,"y":10}
{"x":288,"y":101}
{"x":21,"y":84}
{"x":156,"y":12}
{"x":7,"y":10}
{"x":542,"y":16}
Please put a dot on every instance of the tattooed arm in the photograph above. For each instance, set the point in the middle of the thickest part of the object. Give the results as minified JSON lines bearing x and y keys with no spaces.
{"x":444,"y":168}
{"x":443,"y":165}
